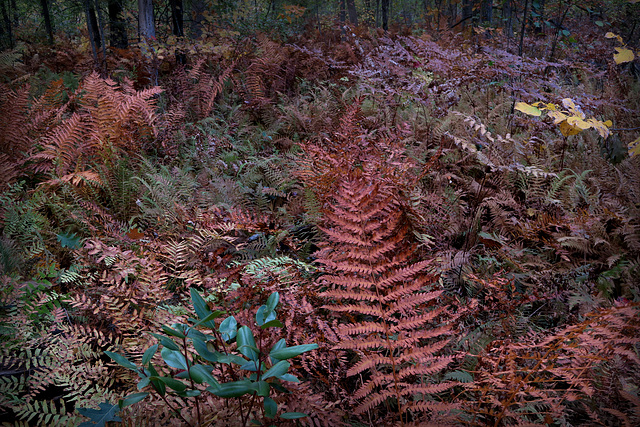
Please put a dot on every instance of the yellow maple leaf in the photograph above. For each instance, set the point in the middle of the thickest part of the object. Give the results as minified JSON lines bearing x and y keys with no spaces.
{"x":623,"y":55}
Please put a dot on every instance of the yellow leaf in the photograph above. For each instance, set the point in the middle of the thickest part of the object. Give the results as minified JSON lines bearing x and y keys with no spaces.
{"x":623,"y":55}
{"x":568,"y":104}
{"x":600,"y":127}
{"x":611,"y":35}
{"x":557,"y":116}
{"x":634,"y":147}
{"x":608,"y":123}
{"x":528,"y":109}
{"x":577,"y":121}
{"x":568,"y":130}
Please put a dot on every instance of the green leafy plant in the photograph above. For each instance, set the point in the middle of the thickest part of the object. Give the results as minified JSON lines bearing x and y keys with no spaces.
{"x":232,"y":348}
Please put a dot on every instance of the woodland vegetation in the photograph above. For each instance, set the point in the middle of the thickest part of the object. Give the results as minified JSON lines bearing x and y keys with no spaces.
{"x":354,"y":213}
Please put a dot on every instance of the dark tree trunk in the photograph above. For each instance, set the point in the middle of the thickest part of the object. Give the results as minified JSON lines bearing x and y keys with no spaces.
{"x":507,"y":15}
{"x":94,"y":28}
{"x":118,"y":35}
{"x":385,"y":14}
{"x":525,"y":16}
{"x":467,"y":13}
{"x":177,"y":26}
{"x":7,"y":32}
{"x":146,"y":21}
{"x":486,"y":11}
{"x":353,"y":15}
{"x":47,"y":19}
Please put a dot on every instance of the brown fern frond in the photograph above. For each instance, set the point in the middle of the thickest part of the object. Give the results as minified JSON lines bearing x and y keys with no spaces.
{"x":372,"y":277}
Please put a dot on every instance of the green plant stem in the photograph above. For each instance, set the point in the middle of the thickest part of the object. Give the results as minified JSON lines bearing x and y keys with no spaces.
{"x":193,"y":387}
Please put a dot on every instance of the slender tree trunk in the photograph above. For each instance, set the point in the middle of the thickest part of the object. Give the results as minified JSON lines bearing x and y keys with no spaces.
{"x":47,"y":19}
{"x":92,"y":41}
{"x":146,"y":20}
{"x":525,"y":16}
{"x":177,"y":26}
{"x":385,"y":14}
{"x":507,"y":15}
{"x":7,"y":25}
{"x":100,"y":27}
{"x":118,"y":36}
{"x":353,"y":14}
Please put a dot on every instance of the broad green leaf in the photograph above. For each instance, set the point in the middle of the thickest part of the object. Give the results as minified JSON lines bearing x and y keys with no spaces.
{"x":623,"y":55}
{"x":528,"y":109}
{"x":175,"y":359}
{"x":173,"y":383}
{"x":270,"y":407}
{"x":173,"y":332}
{"x":289,"y":352}
{"x":199,"y":304}
{"x":202,"y":373}
{"x":143,"y":383}
{"x":100,"y":417}
{"x":251,"y":366}
{"x":228,"y":328}
{"x":261,"y":388}
{"x":121,"y":360}
{"x":263,"y":315}
{"x":272,"y":301}
{"x":292,"y":415}
{"x":290,"y":378}
{"x":158,"y":385}
{"x":276,"y":370}
{"x":246,"y":343}
{"x":148,"y":354}
{"x":275,"y":323}
{"x":232,"y":389}
{"x":231,"y":358}
{"x":166,"y":342}
{"x":132,"y":399}
{"x":203,"y":351}
{"x":189,"y":393}
{"x":634,"y":148}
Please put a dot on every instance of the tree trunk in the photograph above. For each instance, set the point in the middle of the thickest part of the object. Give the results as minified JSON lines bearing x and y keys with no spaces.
{"x":146,"y":21}
{"x":507,"y":14}
{"x":6,"y":27}
{"x":47,"y":19}
{"x":467,"y":14}
{"x":353,"y":15}
{"x":94,"y":28}
{"x":486,"y":11}
{"x":525,"y":16}
{"x":177,"y":26}
{"x":385,"y":14}
{"x":117,"y":25}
